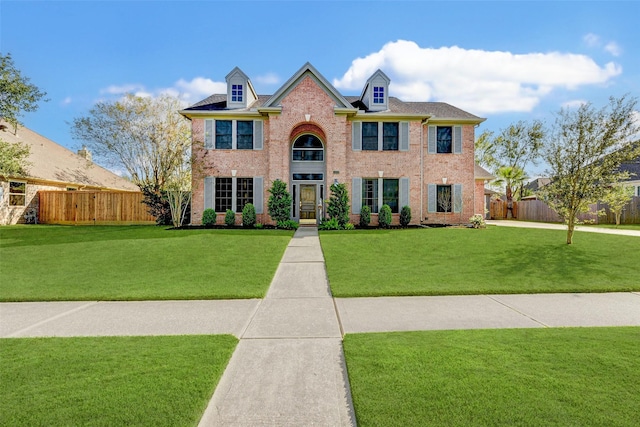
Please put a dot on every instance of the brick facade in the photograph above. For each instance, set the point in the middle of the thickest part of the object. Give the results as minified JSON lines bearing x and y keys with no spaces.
{"x":309,"y":105}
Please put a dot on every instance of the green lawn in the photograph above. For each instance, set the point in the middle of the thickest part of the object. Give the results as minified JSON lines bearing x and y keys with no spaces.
{"x":110,"y":381}
{"x":136,"y":262}
{"x":511,"y":377}
{"x":456,"y":261}
{"x":618,"y":227}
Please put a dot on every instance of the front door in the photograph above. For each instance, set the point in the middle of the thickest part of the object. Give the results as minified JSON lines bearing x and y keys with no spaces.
{"x":307,"y":201}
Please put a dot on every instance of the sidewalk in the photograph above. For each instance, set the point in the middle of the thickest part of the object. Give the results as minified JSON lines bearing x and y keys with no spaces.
{"x":549,"y":226}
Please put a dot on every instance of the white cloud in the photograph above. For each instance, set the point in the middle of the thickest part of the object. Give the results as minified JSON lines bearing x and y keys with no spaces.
{"x":613,"y":48}
{"x":189,"y":92}
{"x":268,"y":79}
{"x":574,"y":103}
{"x":476,"y":80}
{"x":592,"y":40}
{"x":66,"y":101}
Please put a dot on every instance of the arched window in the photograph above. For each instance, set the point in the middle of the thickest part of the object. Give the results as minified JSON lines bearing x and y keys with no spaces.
{"x":308,"y":148}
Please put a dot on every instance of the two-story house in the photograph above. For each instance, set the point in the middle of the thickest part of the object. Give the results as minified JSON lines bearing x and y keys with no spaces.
{"x":307,"y":134}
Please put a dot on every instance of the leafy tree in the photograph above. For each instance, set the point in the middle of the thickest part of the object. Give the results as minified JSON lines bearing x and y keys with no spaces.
{"x":617,"y":198}
{"x":511,"y":177}
{"x":338,"y":205}
{"x":13,"y":159}
{"x":17,"y":95}
{"x":279,"y":203}
{"x":586,"y":148}
{"x":145,"y":136}
{"x":515,"y":147}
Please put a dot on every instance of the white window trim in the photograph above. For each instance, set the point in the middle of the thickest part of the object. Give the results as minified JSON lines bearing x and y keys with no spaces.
{"x":17,"y":194}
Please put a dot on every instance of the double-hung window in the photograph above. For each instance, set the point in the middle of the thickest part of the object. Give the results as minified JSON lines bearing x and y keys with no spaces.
{"x":244,"y":193}
{"x":377,"y":192}
{"x":370,"y":193}
{"x":233,"y":134}
{"x":380,"y":136}
{"x":444,"y":142}
{"x":224,"y":194}
{"x":245,"y":134}
{"x":444,"y":198}
{"x":224,"y":134}
{"x":17,"y":193}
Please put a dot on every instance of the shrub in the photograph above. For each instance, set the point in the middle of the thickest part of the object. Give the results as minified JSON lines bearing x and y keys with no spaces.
{"x":230,"y":218}
{"x":365,"y":216}
{"x":279,"y":202}
{"x":157,"y":204}
{"x":477,"y":221}
{"x":384,"y":216}
{"x":249,"y":215}
{"x":338,"y":204}
{"x":258,"y":225}
{"x":329,"y":224}
{"x":405,"y":216}
{"x":349,"y":226}
{"x":209,"y":217}
{"x":288,"y":224}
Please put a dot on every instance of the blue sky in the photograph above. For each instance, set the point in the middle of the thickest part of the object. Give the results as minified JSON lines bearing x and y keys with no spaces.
{"x":504,"y":60}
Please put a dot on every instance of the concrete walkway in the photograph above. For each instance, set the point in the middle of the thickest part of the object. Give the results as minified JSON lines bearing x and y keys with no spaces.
{"x":549,"y":226}
{"x":288,"y":368}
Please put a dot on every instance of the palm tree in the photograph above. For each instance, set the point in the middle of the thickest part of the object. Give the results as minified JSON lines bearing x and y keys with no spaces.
{"x":511,"y":177}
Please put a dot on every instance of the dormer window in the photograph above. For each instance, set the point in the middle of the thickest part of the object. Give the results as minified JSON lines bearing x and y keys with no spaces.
{"x":236,"y":93}
{"x":375,"y":95}
{"x":378,"y":95}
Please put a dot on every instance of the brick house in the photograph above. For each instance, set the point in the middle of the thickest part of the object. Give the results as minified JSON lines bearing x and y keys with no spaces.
{"x":307,"y":134}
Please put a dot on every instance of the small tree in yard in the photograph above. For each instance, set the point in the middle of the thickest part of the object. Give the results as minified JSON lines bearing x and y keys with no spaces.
{"x":365,"y":216}
{"x":617,"y":198}
{"x":405,"y":216}
{"x":248,"y":215}
{"x":338,"y":205}
{"x":584,"y":153}
{"x":279,"y":204}
{"x":384,"y":216}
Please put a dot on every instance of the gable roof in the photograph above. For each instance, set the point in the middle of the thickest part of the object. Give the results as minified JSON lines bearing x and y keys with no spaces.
{"x":56,"y":164}
{"x":633,"y":167}
{"x":433,"y":111}
{"x":308,"y":70}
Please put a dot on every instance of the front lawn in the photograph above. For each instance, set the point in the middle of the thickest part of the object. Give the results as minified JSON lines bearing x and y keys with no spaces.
{"x":110,"y":381}
{"x":457,"y":261}
{"x":136,"y":262}
{"x":511,"y":377}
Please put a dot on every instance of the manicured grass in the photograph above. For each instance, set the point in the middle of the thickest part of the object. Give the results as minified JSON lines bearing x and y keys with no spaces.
{"x":136,"y":263}
{"x":516,"y":377}
{"x":110,"y":381}
{"x":618,"y":227}
{"x":456,"y":261}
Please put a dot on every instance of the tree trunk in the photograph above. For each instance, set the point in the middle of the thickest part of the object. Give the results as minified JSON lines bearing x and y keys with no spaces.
{"x":570,"y":226}
{"x":618,"y":215}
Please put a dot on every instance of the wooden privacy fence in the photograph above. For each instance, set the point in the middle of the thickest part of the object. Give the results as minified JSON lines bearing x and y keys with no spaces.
{"x":92,"y":207}
{"x":537,"y":210}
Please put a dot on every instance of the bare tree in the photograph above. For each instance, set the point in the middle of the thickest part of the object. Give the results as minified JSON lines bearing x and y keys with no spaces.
{"x":444,"y":199}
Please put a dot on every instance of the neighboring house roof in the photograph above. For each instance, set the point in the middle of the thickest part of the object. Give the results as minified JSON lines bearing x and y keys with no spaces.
{"x":54,"y":163}
{"x":481,"y":173}
{"x":434,"y":111}
{"x":633,"y":167}
{"x":537,"y":184}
